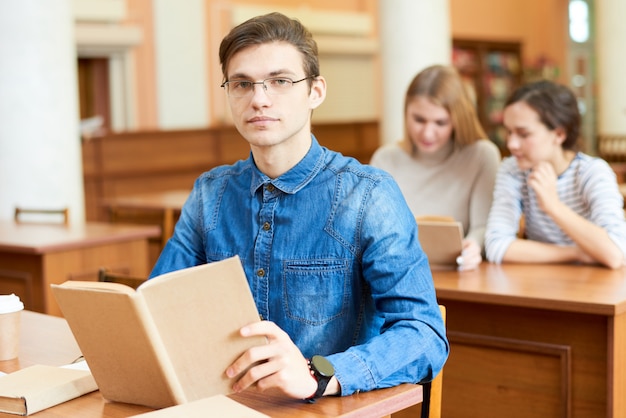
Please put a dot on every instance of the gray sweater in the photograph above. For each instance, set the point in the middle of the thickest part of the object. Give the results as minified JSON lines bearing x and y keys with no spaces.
{"x":455,"y":181}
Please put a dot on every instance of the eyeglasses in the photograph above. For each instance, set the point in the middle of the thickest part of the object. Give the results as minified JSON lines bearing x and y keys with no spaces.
{"x":274,"y":86}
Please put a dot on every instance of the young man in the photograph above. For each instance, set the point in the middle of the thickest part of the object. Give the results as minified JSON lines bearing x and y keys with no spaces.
{"x":329,"y":246}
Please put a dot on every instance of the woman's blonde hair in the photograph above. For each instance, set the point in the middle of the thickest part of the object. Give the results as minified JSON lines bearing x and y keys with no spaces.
{"x":443,"y":86}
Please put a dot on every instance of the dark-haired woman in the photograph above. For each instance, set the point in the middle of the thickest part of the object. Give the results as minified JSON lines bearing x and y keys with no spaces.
{"x":572,"y":208}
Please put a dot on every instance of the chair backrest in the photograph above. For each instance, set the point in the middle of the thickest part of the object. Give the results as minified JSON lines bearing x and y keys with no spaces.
{"x":105,"y":275}
{"x":434,"y":218}
{"x":431,"y":405}
{"x":521,"y":232}
{"x":48,"y":215}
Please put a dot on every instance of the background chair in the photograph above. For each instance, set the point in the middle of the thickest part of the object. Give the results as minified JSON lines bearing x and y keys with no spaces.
{"x":42,"y":215}
{"x":105,"y":275}
{"x":434,"y":218}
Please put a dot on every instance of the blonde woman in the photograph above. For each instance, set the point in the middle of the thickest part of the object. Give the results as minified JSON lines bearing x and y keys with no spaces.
{"x":444,"y":165}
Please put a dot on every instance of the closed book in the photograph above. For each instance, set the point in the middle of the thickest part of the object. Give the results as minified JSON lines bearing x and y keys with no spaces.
{"x":168,"y":342}
{"x":38,"y":387}
{"x":213,"y":406}
{"x":442,"y":241}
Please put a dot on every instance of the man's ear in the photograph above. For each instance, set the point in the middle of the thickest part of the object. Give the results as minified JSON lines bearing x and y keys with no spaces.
{"x":318,"y":92}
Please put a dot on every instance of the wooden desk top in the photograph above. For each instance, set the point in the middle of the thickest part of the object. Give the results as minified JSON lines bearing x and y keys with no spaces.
{"x":170,"y":199}
{"x":561,"y":287}
{"x":48,"y":340}
{"x":374,"y":404}
{"x":34,"y":238}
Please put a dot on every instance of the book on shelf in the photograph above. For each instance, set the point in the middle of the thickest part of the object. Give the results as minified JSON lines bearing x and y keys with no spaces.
{"x":215,"y":406}
{"x":38,"y":387}
{"x":168,"y":342}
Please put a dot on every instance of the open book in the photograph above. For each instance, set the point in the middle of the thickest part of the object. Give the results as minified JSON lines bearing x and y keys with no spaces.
{"x":170,"y":341}
{"x":442,"y":241}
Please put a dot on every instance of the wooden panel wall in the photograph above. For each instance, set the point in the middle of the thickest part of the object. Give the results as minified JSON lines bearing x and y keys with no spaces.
{"x":507,"y":361}
{"x":146,"y":161}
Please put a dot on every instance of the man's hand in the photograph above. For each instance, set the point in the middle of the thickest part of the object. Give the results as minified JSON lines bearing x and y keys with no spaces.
{"x":277,"y":365}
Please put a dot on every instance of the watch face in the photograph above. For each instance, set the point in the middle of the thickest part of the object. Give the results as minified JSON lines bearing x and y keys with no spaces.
{"x":323,"y":366}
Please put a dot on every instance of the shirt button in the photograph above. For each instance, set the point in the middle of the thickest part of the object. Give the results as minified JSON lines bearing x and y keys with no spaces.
{"x":260,"y":272}
{"x":270,"y":187}
{"x":266,"y":226}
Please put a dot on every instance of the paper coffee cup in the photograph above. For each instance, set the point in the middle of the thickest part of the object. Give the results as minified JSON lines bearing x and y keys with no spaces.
{"x":10,"y":312}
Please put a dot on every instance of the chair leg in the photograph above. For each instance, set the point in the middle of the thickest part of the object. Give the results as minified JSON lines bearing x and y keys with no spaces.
{"x":168,"y":226}
{"x":425,"y":400}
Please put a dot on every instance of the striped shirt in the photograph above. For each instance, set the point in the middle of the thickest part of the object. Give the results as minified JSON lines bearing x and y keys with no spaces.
{"x":588,"y":187}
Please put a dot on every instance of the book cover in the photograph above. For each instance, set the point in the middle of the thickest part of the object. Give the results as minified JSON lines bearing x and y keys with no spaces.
{"x":38,"y":387}
{"x":170,"y":341}
{"x":442,"y":241}
{"x":215,"y":406}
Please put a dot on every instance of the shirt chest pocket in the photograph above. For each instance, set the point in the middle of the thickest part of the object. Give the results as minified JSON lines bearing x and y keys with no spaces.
{"x":316,"y":291}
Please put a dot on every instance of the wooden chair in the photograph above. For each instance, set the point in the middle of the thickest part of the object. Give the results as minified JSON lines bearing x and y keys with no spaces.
{"x":431,"y":405}
{"x":105,"y":275}
{"x":434,"y":218}
{"x":432,"y":391}
{"x":63,"y":213}
{"x":521,"y":232}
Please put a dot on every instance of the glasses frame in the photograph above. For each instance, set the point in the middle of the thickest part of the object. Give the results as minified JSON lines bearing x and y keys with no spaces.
{"x":225,"y":84}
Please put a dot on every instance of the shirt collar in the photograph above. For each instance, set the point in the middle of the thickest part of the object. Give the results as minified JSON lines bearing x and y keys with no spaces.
{"x":297,"y":177}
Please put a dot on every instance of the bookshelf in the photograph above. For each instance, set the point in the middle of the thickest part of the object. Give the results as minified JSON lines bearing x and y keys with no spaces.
{"x":491,"y":70}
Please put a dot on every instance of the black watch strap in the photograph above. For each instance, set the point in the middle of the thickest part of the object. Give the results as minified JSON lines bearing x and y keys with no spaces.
{"x":322,"y":370}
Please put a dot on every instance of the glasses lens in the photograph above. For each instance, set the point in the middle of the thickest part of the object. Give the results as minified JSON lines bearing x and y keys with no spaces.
{"x":277,"y":85}
{"x":238,"y":88}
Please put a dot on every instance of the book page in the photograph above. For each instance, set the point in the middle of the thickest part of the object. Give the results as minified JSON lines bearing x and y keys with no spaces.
{"x":98,"y":286}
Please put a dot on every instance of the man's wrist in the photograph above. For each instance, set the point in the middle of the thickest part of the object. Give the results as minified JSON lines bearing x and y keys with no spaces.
{"x":323,"y":373}
{"x":314,"y":388}
{"x":333,"y":388}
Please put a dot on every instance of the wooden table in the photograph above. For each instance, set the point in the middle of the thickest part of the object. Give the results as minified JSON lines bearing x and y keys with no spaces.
{"x":534,"y":341}
{"x":48,"y":340}
{"x":32,"y":256}
{"x":154,"y":208}
{"x":167,"y":204}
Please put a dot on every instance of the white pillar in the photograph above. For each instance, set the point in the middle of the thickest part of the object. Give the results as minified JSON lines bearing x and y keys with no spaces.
{"x":611,"y":66}
{"x":180,"y":38}
{"x":40,"y":152}
{"x":414,"y":34}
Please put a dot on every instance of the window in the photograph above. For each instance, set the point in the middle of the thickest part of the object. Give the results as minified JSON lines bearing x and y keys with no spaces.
{"x":579,"y":20}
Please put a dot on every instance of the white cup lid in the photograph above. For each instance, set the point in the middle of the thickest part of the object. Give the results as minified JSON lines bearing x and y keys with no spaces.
{"x":10,"y":303}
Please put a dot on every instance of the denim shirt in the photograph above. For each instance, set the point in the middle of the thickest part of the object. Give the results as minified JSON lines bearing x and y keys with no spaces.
{"x":332,"y":256}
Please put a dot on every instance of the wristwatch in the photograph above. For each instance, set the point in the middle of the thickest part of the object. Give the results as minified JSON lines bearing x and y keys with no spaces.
{"x":322,"y":370}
